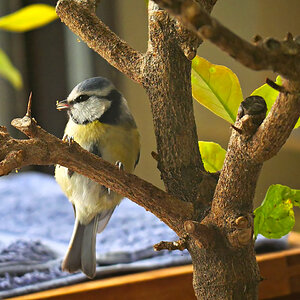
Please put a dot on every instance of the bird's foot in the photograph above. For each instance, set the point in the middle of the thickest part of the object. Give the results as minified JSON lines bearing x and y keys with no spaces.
{"x":68,"y":139}
{"x":119,"y":165}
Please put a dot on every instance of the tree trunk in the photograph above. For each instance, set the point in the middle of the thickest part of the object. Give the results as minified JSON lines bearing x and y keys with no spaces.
{"x":168,"y":85}
{"x":225,"y":273}
{"x":221,"y":270}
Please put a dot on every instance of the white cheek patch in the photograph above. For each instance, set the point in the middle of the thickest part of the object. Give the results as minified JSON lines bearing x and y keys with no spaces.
{"x":90,"y":110}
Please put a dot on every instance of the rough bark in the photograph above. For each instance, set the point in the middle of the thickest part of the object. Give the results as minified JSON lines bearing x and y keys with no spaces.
{"x":212,"y":213}
{"x":179,"y":159}
{"x":236,"y":275}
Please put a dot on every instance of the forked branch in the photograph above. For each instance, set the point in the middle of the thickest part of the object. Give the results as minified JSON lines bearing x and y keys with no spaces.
{"x":269,"y":54}
{"x":279,"y":123}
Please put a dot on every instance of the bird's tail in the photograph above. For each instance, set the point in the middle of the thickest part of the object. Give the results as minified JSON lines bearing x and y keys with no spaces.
{"x":81,"y":254}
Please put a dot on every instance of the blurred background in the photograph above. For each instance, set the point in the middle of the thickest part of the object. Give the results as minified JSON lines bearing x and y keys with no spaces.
{"x":53,"y":60}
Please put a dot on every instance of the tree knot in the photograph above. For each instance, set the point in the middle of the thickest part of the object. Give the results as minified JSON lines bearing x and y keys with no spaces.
{"x":242,"y":232}
{"x":251,"y":114}
{"x":203,"y":234}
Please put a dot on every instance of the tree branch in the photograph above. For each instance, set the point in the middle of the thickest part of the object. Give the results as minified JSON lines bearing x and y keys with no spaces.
{"x":45,"y":149}
{"x":278,"y":125}
{"x":270,"y":54}
{"x":232,"y":205}
{"x":80,"y":17}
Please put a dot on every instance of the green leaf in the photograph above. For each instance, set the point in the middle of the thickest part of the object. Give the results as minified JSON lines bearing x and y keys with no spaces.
{"x":9,"y":72}
{"x":270,"y":95}
{"x":275,"y":217}
{"x":28,"y":18}
{"x":213,"y":156}
{"x":217,"y":88}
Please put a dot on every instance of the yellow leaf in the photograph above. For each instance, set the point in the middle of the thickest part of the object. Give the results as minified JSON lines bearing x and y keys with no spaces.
{"x":9,"y":72}
{"x":28,"y":18}
{"x":270,"y":95}
{"x":212,"y":155}
{"x":217,"y":88}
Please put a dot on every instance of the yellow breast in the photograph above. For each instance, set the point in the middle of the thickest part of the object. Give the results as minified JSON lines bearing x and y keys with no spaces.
{"x":116,"y":143}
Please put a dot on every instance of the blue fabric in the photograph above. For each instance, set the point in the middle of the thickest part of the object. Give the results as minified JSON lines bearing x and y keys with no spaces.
{"x":36,"y":223}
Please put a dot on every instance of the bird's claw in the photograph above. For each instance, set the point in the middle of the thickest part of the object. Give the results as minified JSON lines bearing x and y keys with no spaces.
{"x":119,"y":165}
{"x":68,"y":139}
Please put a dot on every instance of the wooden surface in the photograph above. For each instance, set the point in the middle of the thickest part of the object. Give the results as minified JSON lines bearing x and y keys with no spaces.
{"x":160,"y":284}
{"x":280,"y":271}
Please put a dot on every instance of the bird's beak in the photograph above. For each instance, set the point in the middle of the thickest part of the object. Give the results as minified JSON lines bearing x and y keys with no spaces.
{"x":62,"y":105}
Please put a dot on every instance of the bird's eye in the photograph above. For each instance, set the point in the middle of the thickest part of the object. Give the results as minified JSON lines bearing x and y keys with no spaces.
{"x":81,"y":98}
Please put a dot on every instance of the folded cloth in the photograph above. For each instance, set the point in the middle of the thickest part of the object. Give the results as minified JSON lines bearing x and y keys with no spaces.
{"x":36,"y":223}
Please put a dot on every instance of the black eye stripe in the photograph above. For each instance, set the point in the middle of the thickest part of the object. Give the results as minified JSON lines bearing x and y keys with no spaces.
{"x":81,"y":98}
{"x":112,"y":96}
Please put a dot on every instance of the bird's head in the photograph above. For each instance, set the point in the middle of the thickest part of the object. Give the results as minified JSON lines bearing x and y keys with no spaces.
{"x":96,"y":99}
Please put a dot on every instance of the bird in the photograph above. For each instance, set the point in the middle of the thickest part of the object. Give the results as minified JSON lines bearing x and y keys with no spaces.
{"x":100,"y":122}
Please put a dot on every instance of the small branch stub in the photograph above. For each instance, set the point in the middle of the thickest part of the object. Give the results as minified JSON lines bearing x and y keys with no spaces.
{"x":155,"y":155}
{"x":241,"y":222}
{"x":275,"y":86}
{"x":242,"y":233}
{"x":201,"y":233}
{"x":240,"y":131}
{"x":181,"y":244}
{"x":251,"y":114}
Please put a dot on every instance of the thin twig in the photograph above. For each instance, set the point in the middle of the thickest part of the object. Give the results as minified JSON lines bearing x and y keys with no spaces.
{"x":28,"y":113}
{"x":240,"y":131}
{"x":275,"y":86}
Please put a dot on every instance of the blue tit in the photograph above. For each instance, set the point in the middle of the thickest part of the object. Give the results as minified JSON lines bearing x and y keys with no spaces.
{"x":100,"y":122}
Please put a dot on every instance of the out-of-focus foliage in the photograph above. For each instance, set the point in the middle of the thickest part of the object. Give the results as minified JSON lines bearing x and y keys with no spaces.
{"x":9,"y":72}
{"x":25,"y":19}
{"x":28,"y":18}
